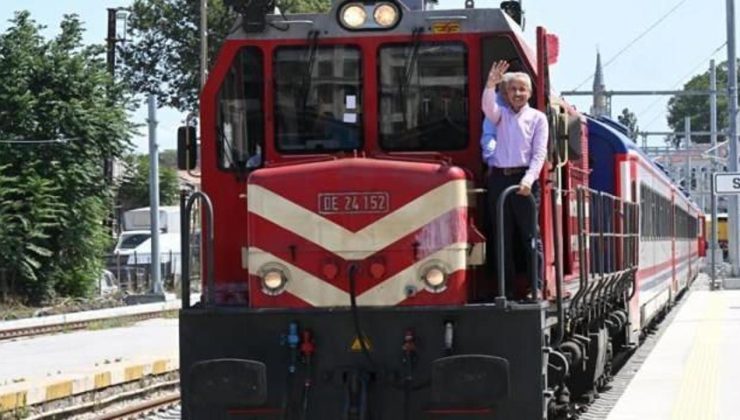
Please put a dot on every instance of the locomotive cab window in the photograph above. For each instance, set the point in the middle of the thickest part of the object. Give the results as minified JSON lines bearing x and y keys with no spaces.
{"x":240,"y":125}
{"x":423,"y":96}
{"x":317,"y":99}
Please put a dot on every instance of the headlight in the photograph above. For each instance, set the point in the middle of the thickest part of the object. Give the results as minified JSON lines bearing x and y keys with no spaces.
{"x":274,"y":278}
{"x":385,"y":15}
{"x":353,"y":15}
{"x":434,"y":277}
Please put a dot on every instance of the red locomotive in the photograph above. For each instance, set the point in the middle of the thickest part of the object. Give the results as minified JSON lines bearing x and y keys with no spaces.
{"x":347,"y":275}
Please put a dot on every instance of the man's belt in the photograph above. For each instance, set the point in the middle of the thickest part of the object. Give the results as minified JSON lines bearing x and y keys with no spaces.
{"x":509,"y":171}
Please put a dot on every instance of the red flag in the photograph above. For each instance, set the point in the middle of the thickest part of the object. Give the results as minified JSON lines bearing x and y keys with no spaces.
{"x":553,"y":48}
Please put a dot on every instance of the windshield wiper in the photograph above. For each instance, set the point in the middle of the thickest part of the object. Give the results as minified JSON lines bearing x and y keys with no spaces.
{"x":408,"y":67}
{"x":305,"y":89}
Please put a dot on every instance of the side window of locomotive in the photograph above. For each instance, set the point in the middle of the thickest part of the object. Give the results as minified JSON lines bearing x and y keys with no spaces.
{"x":318,"y":105}
{"x":240,"y":125}
{"x":423,"y":96}
{"x":501,"y":47}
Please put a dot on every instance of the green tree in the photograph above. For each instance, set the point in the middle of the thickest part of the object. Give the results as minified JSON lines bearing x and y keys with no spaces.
{"x":53,"y":195}
{"x":28,"y":211}
{"x":697,"y":107}
{"x":629,"y":120}
{"x":162,"y":53}
{"x":134,"y":189}
{"x":168,"y":159}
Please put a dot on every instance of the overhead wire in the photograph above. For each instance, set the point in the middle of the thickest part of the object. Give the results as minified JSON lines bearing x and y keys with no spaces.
{"x":48,"y":141}
{"x":680,"y":82}
{"x":634,"y":41}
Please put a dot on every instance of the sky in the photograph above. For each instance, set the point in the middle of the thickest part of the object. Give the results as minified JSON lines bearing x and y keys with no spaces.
{"x":677,"y":47}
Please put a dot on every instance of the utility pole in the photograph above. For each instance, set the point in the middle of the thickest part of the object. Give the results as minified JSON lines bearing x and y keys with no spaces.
{"x":112,"y":222}
{"x":713,"y":138}
{"x":203,"y":42}
{"x":154,"y":196}
{"x":687,"y":135}
{"x":111,"y":40}
{"x":111,"y":62}
{"x":732,"y":159}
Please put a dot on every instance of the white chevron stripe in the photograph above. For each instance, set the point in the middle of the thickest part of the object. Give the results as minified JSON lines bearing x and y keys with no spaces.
{"x":357,"y":245}
{"x":311,"y":289}
{"x":391,"y":291}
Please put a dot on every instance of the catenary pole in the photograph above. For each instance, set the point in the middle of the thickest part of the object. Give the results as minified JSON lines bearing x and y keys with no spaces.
{"x":713,"y":138}
{"x":732,"y":159}
{"x":203,"y":42}
{"x":154,"y":195}
{"x":687,"y":135}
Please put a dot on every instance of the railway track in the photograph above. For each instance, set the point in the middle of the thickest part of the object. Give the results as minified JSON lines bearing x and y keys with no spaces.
{"x":66,"y":326}
{"x":158,"y":395}
{"x":165,"y":407}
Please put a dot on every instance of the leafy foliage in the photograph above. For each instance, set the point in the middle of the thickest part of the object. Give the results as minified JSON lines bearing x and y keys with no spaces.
{"x":53,"y":197}
{"x":168,"y":158}
{"x":134,"y":189}
{"x":629,"y":120}
{"x":697,"y":107}
{"x":162,"y":54}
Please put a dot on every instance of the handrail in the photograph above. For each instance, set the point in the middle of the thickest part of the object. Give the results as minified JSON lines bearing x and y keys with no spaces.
{"x":558,"y":268}
{"x":611,"y":235}
{"x":186,"y":207}
{"x":447,"y":17}
{"x":501,"y":298}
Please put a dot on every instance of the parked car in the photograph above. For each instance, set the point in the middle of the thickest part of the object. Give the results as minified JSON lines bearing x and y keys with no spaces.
{"x":107,"y":283}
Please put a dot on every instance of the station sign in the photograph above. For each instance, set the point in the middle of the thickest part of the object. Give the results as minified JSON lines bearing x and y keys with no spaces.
{"x":727,"y":183}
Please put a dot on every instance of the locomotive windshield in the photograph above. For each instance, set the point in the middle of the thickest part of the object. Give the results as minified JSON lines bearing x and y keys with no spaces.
{"x":317,"y":98}
{"x":423,"y":96}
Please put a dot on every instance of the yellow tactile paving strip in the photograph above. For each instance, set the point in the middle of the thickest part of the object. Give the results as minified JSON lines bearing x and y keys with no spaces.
{"x":693,"y":370}
{"x":17,"y":396}
{"x":698,"y":392}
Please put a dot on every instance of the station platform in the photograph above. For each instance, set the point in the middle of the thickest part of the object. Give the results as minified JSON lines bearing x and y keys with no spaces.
{"x":692,"y":372}
{"x":40,"y":369}
{"x":171,"y":303}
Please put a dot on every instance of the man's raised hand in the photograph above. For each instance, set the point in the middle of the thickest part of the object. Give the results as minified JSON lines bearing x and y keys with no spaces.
{"x":496,"y":74}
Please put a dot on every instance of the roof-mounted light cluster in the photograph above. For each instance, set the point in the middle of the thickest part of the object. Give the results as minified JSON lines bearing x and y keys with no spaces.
{"x":361,"y":16}
{"x":253,"y":13}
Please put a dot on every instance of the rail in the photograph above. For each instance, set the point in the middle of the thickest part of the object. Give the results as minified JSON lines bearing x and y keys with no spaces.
{"x":131,"y":399}
{"x":148,"y":407}
{"x":31,"y":327}
{"x":186,"y":208}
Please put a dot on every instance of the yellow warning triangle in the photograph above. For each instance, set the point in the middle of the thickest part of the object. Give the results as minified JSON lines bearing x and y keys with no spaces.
{"x":357,"y":346}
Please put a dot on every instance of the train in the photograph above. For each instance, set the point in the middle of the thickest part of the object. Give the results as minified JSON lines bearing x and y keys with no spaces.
{"x":347,"y":270}
{"x":722,"y":237}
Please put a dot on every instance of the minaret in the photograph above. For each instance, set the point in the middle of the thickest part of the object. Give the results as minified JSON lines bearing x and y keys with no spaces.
{"x":599,"y":107}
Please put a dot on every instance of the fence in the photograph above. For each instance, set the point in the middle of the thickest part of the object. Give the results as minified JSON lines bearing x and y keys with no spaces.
{"x":132,"y":272}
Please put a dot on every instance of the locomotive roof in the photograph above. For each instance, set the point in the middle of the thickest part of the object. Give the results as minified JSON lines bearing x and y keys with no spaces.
{"x":470,"y":20}
{"x":623,"y":144}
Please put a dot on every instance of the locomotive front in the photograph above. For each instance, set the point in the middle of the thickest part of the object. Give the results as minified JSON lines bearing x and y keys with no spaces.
{"x":397,"y":234}
{"x":349,"y":283}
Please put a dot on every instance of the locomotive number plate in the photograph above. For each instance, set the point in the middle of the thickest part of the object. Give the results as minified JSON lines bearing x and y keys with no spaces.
{"x":353,"y":202}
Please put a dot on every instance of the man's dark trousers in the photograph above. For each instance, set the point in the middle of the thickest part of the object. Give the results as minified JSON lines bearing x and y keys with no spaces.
{"x":517,"y":223}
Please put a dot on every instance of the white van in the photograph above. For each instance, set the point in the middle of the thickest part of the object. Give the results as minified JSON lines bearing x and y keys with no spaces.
{"x":135,"y":248}
{"x":139,"y":219}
